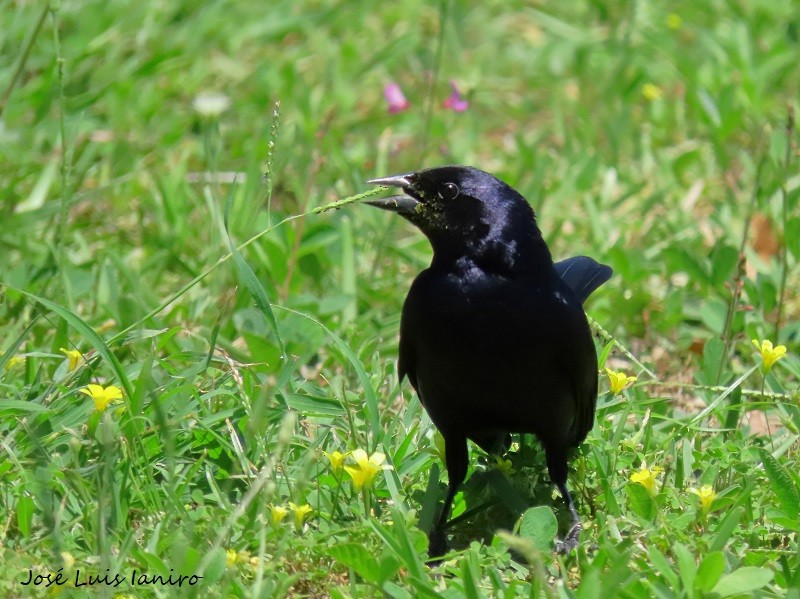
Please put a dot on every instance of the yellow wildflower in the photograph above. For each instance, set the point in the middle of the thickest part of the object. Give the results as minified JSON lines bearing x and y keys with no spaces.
{"x":707,"y":496}
{"x":365,"y":469}
{"x":651,"y":91}
{"x":74,"y":356}
{"x":230,"y":558}
{"x":769,"y":354}
{"x":617,"y":381}
{"x":504,"y":466}
{"x":276,"y":514}
{"x":14,"y":361}
{"x":102,"y":396}
{"x":647,"y":478}
{"x":674,"y":21}
{"x":300,"y":512}
{"x":336,"y":458}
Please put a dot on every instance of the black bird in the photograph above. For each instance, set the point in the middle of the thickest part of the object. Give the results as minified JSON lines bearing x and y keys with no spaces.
{"x":493,"y":336}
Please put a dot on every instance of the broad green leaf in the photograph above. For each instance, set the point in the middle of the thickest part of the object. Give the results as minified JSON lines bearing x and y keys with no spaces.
{"x":396,"y":592}
{"x":792,"y":236}
{"x":783,"y":485}
{"x":641,"y":502}
{"x":540,"y":526}
{"x":468,"y":578}
{"x":713,"y":312}
{"x":742,"y":581}
{"x":724,"y":531}
{"x":17,"y":405}
{"x":359,"y":558}
{"x":388,"y":566}
{"x":308,"y":405}
{"x":663,"y":566}
{"x":401,"y":544}
{"x":713,"y":354}
{"x":25,"y":509}
{"x":710,"y":571}
{"x":723,"y":263}
{"x":603,"y":356}
{"x":680,"y":259}
{"x":214,"y":566}
{"x":686,"y":566}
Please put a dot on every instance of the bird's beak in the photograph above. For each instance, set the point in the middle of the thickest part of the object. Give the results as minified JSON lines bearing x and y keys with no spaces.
{"x":401,"y":204}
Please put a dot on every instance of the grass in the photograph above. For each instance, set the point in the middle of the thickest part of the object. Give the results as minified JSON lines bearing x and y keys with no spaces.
{"x":250,"y":329}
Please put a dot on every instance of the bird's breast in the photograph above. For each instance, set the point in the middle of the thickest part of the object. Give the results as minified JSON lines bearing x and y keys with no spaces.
{"x":495,"y":352}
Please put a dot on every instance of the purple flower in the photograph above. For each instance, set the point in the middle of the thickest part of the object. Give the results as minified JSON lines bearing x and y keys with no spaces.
{"x":395,"y":99}
{"x":456,"y":101}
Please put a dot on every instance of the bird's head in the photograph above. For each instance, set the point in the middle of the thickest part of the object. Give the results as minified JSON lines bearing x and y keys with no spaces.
{"x":467,"y":212}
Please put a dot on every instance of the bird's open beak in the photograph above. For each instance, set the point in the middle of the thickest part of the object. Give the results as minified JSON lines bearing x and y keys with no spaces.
{"x":404,"y":204}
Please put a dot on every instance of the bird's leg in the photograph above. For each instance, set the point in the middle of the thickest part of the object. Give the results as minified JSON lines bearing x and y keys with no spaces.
{"x":456,"y":459}
{"x":557,"y":467}
{"x":573,"y":536}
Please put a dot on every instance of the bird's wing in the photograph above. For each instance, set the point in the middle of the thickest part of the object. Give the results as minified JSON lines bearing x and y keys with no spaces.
{"x":583,"y":275}
{"x":406,"y":362}
{"x":586,"y":404}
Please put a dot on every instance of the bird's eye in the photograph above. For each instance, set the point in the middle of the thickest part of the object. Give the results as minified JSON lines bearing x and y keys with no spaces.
{"x":449,"y":191}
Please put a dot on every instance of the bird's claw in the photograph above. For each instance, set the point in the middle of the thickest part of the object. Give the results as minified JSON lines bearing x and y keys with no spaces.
{"x":570,"y":541}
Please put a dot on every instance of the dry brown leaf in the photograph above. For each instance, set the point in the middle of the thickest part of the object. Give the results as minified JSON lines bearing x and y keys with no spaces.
{"x":765,"y":242}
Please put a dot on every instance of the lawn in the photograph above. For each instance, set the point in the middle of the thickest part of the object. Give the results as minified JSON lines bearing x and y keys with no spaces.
{"x":198,"y":385}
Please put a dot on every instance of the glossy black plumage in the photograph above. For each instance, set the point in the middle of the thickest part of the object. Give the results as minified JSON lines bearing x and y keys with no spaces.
{"x":493,"y":336}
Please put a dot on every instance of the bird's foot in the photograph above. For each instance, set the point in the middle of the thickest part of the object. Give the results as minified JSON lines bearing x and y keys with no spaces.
{"x":570,"y":541}
{"x":437,"y":546}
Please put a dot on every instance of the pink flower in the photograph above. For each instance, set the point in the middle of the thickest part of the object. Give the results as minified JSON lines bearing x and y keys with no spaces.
{"x":456,"y":101}
{"x":395,"y":99}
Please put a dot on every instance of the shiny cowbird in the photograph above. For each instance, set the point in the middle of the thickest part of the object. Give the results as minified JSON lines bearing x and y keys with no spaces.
{"x":493,"y":336}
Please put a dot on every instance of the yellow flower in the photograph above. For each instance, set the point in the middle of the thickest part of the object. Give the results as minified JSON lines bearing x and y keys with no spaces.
{"x":647,"y":478}
{"x":102,"y":396}
{"x":336,"y":459}
{"x":504,"y":466}
{"x":300,"y":512}
{"x":14,"y":361}
{"x":674,"y":21}
{"x":618,"y":381}
{"x":68,"y":560}
{"x":230,"y":558}
{"x":707,"y":496}
{"x":651,"y":92}
{"x":769,"y":354}
{"x":365,"y":469}
{"x":276,"y":514}
{"x":75,"y":358}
